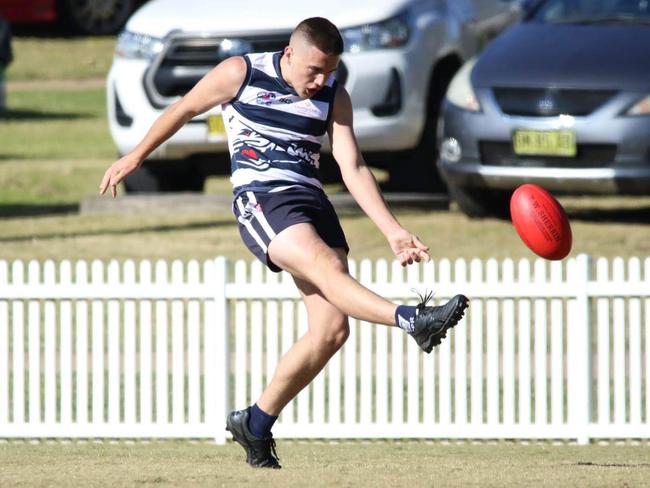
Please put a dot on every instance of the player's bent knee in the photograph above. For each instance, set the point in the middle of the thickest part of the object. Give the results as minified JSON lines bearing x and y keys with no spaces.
{"x":339,"y":266}
{"x":341,"y":336}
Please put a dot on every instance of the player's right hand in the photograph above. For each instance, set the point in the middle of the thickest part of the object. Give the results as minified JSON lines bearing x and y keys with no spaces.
{"x":119,"y":170}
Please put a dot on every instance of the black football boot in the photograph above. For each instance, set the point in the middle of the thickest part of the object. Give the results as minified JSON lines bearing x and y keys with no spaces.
{"x":260,"y":452}
{"x":431,"y":323}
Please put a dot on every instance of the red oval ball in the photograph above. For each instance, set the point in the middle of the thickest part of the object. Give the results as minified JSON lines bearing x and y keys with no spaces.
{"x":541,"y":222}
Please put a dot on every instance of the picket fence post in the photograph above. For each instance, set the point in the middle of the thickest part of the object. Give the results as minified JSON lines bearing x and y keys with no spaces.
{"x":579,"y":347}
{"x":221,"y":350}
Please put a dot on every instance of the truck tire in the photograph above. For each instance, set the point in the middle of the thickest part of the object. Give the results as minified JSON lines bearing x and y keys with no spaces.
{"x":164,"y":177}
{"x":418,"y":171}
{"x":93,"y":17}
{"x":478,"y":203}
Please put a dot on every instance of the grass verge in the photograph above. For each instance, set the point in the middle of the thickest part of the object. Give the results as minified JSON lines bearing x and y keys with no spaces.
{"x":55,"y":231}
{"x":55,"y":125}
{"x":412,"y":464}
{"x":77,"y":58}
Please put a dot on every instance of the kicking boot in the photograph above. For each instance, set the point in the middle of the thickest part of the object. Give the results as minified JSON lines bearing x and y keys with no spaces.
{"x":260,"y":453}
{"x":431,"y":323}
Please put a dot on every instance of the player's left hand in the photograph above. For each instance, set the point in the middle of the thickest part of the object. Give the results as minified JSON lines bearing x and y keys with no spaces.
{"x":408,"y":248}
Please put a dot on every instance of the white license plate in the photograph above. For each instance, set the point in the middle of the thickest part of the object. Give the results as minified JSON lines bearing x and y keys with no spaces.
{"x":545,"y":143}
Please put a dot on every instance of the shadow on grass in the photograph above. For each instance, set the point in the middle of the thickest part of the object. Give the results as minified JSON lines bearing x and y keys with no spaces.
{"x":13,"y":157}
{"x":122,"y":232}
{"x":628,"y":215}
{"x":27,"y":115}
{"x":18,"y":210}
{"x":612,"y":465}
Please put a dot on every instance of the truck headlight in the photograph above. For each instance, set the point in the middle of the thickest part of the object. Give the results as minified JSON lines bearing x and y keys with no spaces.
{"x":460,"y":91}
{"x":133,"y":45}
{"x":390,"y":33}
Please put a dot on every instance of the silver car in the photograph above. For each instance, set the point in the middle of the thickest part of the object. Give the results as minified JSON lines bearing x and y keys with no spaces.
{"x":561,"y":99}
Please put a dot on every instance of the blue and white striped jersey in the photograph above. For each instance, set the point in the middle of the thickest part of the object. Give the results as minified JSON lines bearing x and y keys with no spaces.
{"x":274,"y":136}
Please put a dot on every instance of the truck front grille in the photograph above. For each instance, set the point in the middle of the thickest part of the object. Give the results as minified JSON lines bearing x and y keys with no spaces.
{"x":187,"y":59}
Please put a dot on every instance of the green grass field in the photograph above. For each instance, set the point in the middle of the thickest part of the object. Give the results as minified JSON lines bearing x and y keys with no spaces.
{"x":377,"y":464}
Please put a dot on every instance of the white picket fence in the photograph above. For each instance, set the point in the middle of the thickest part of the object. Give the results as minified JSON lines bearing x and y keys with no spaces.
{"x":547,"y":350}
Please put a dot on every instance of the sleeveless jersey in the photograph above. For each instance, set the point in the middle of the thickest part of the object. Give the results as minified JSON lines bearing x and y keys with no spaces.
{"x":274,"y":136}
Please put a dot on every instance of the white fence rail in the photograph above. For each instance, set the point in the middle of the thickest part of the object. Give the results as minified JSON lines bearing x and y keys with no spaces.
{"x":547,"y":350}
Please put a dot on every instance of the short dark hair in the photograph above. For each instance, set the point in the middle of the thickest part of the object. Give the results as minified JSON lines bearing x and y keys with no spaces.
{"x":322,"y":34}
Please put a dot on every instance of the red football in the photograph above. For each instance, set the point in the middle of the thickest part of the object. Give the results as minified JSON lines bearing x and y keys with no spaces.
{"x":541,"y":222}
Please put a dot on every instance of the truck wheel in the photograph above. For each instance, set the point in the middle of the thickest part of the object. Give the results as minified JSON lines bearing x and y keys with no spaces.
{"x":426,"y":154}
{"x":418,"y":171}
{"x":95,"y":17}
{"x":164,"y":177}
{"x":478,"y":203}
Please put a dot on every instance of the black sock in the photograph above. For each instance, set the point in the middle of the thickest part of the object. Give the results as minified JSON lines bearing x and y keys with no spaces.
{"x":405,"y":317}
{"x":260,"y":422}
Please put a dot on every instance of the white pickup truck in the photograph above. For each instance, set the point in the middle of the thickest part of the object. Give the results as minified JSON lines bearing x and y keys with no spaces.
{"x":398,"y":60}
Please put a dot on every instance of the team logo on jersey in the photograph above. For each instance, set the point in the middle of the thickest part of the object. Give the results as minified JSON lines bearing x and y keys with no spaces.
{"x":265,"y":98}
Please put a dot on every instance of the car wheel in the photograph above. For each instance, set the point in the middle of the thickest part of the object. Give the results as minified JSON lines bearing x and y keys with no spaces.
{"x":96,"y":17}
{"x":164,"y":177}
{"x":477,"y":203}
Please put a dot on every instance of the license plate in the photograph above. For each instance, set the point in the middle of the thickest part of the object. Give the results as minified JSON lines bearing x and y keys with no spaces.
{"x":216,"y":128}
{"x":544,"y":143}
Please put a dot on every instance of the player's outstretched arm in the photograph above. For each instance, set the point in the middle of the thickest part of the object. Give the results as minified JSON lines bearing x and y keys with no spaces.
{"x":217,"y":87}
{"x":362,"y":184}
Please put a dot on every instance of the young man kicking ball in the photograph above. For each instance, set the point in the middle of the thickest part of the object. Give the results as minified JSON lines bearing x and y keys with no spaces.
{"x":277,"y":107}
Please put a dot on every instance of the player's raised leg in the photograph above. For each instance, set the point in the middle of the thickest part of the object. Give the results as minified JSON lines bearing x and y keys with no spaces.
{"x":300,"y":251}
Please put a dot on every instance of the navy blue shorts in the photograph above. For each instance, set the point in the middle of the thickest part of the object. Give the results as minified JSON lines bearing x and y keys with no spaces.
{"x":263,"y":215}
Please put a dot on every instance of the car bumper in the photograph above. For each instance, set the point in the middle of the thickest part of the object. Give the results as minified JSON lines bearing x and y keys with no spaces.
{"x":623,"y":170}
{"x":561,"y":180}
